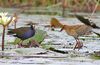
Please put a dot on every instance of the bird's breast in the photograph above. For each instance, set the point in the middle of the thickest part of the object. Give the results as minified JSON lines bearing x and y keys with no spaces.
{"x":28,"y":34}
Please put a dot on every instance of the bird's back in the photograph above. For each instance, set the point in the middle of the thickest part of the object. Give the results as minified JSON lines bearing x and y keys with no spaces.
{"x":70,"y":29}
{"x":18,"y":31}
{"x":77,"y":30}
{"x":23,"y":32}
{"x":82,"y":30}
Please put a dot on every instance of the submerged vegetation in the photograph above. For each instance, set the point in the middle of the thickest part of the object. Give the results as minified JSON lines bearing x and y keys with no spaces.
{"x":94,"y":56}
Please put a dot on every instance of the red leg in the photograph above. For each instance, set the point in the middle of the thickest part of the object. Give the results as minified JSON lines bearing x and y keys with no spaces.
{"x":76,"y":44}
{"x":80,"y":45}
{"x":30,"y":44}
{"x":19,"y":45}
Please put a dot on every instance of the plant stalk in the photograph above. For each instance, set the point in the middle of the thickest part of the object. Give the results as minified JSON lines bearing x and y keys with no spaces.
{"x":3,"y":38}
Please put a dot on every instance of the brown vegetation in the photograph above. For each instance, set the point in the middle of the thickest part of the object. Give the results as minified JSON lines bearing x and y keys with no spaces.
{"x":71,"y":5}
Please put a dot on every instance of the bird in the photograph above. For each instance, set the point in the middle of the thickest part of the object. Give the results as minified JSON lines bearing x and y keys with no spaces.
{"x":54,"y":23}
{"x":22,"y":33}
{"x":87,"y":21}
{"x":76,"y":31}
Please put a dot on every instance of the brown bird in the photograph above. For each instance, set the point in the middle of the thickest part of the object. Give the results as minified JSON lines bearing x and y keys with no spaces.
{"x":54,"y":23}
{"x":76,"y":31}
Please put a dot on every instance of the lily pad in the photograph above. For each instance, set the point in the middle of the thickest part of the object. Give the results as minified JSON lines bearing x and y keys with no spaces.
{"x":30,"y":51}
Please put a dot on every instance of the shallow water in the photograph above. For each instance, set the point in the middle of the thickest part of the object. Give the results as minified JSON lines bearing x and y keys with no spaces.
{"x":58,"y":40}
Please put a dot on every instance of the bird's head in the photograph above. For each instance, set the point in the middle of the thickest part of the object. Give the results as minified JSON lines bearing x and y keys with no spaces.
{"x":31,"y":24}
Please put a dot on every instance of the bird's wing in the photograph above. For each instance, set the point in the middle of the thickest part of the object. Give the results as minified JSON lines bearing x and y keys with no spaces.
{"x":83,"y":29}
{"x":73,"y":33}
{"x":76,"y":26}
{"x":20,"y":31}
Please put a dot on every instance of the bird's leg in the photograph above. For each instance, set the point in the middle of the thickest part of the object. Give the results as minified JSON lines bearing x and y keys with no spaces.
{"x":76,"y":44}
{"x":34,"y":44}
{"x":80,"y":45}
{"x":20,"y":44}
{"x":30,"y":44}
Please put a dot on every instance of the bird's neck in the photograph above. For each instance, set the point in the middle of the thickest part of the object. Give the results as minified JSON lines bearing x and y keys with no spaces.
{"x":64,"y":27}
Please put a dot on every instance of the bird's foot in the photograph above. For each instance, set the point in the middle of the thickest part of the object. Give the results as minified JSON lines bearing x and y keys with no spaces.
{"x":19,"y":45}
{"x":78,"y":46}
{"x":34,"y":43}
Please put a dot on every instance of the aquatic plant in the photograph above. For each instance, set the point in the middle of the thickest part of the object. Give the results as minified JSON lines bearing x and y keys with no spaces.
{"x":5,"y":21}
